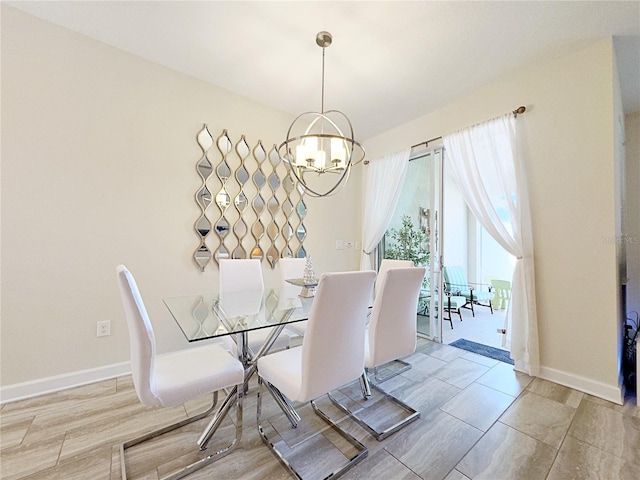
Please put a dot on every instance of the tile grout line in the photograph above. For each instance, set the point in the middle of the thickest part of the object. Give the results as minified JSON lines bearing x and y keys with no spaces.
{"x":497,"y":420}
{"x":33,"y":418}
{"x":403,"y":464}
{"x":584,"y":399}
{"x":564,"y":437}
{"x":61,"y":447}
{"x":466,"y":423}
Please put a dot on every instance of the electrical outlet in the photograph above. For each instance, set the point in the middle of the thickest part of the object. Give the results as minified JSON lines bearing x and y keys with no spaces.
{"x":104,"y":328}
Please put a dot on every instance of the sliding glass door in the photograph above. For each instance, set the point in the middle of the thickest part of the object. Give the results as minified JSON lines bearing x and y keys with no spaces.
{"x":415,"y":232}
{"x":432,"y":314}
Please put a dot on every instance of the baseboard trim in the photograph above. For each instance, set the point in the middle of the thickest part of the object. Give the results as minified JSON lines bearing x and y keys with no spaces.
{"x":20,"y":391}
{"x":597,"y":389}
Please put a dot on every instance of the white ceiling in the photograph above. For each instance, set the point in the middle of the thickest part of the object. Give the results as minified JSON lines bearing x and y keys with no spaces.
{"x":390,"y":62}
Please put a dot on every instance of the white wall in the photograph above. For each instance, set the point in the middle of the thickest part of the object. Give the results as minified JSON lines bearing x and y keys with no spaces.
{"x":632,"y":235}
{"x":98,"y":168}
{"x":567,"y":136}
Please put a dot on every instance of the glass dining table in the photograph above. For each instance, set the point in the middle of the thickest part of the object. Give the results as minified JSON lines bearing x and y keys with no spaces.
{"x":235,"y":314}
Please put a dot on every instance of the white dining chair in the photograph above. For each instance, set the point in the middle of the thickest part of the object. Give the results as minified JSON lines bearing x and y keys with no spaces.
{"x":175,"y":378}
{"x":292,"y":268}
{"x":331,"y":354}
{"x":385,"y":265}
{"x":391,"y":335}
{"x":238,"y":275}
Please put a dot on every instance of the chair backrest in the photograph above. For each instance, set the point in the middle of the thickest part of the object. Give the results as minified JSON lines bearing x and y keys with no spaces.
{"x":291,"y":268}
{"x":237,"y":275}
{"x":245,"y":276}
{"x":502,"y":291}
{"x":333,"y":345}
{"x":504,"y":285}
{"x":455,"y":278}
{"x":141,"y":339}
{"x":385,"y":265}
{"x":392,"y":325}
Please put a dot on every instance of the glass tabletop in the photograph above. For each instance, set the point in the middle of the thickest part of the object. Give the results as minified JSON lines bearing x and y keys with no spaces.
{"x":208,"y":316}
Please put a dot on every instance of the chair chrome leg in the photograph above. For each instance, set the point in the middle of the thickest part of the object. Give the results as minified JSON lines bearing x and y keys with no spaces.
{"x":264,"y":437}
{"x":161,"y":431}
{"x":364,"y":386}
{"x":196,"y":465}
{"x":359,"y":456}
{"x":219,"y":416}
{"x":379,"y":379}
{"x":385,"y":432}
{"x":283,"y":402}
{"x":362,"y":451}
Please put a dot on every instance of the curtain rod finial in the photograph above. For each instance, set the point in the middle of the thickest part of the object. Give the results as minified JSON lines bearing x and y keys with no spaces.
{"x":519,"y":110}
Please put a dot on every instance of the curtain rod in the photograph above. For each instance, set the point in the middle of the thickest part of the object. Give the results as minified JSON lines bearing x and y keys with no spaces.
{"x":518,"y":111}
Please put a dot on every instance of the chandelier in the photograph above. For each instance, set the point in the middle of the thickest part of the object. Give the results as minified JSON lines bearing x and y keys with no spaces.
{"x":319,"y":143}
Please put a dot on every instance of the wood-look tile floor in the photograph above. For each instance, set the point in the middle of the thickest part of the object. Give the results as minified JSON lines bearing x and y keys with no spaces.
{"x":479,"y":419}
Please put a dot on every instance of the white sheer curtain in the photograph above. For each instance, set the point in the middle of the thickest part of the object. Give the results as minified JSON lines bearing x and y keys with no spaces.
{"x":486,"y":164}
{"x":384,"y":179}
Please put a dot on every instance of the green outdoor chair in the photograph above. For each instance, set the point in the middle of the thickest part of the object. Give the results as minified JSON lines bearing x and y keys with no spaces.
{"x":452,"y":303}
{"x":502,"y":290}
{"x":456,"y":283}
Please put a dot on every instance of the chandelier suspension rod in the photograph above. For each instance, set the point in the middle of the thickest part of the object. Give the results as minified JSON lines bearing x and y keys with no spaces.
{"x":323,"y":39}
{"x":322,"y":96}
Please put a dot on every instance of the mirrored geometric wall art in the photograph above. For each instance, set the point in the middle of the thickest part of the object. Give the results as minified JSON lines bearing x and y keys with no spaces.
{"x":260,"y":208}
{"x":203,"y":199}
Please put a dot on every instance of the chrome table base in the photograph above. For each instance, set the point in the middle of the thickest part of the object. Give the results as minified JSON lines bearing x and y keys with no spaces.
{"x":250,"y":361}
